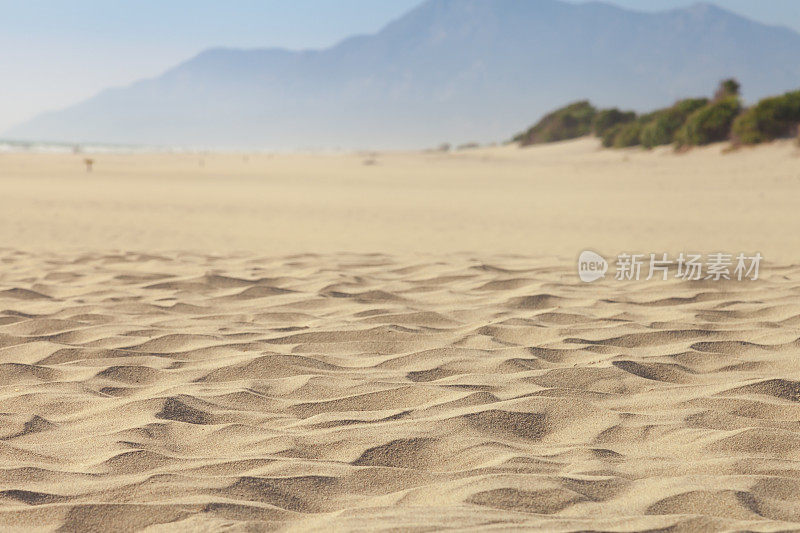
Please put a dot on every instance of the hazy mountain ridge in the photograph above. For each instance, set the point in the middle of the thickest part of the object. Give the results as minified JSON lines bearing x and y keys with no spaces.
{"x":449,"y":70}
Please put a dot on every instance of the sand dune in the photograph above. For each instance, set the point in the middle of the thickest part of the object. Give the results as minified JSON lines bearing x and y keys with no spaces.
{"x":365,"y":391}
{"x":551,"y":200}
{"x":195,"y":386}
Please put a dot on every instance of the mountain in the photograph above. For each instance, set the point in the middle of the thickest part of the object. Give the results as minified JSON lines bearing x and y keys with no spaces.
{"x":449,"y":70}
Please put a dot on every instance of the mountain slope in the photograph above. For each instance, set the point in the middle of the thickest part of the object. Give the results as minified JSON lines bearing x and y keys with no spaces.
{"x":449,"y":70}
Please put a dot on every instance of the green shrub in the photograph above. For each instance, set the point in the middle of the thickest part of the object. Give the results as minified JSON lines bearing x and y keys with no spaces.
{"x":610,"y":134}
{"x":710,"y":123}
{"x":570,"y":122}
{"x":606,"y":119}
{"x":747,"y":129}
{"x":665,"y":123}
{"x":693,"y":121}
{"x":628,"y":135}
{"x":726,"y":89}
{"x":658,"y":132}
{"x":690,"y":105}
{"x":770,"y":119}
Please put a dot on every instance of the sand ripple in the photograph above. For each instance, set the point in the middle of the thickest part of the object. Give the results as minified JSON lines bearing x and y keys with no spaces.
{"x":366,"y":391}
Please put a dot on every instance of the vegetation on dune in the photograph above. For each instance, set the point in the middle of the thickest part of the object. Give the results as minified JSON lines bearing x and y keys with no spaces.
{"x":772,"y":118}
{"x":710,"y":123}
{"x":570,"y":122}
{"x":628,"y":135}
{"x":688,"y":122}
{"x":727,"y":88}
{"x":665,"y":123}
{"x":611,"y":133}
{"x":606,"y":119}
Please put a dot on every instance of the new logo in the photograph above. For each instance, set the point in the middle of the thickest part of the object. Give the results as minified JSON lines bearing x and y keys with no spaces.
{"x":591,"y":266}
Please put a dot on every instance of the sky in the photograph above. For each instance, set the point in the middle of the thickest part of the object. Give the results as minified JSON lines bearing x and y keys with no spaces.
{"x":54,"y":53}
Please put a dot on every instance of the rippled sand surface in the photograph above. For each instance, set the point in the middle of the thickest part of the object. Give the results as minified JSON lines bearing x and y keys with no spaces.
{"x":366,"y":391}
{"x":396,"y":341}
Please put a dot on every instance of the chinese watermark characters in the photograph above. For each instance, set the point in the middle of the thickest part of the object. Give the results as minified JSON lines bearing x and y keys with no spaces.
{"x":686,"y":266}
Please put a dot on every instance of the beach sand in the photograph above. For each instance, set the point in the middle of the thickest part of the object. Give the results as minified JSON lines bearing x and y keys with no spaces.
{"x":551,"y":200}
{"x":396,"y":341}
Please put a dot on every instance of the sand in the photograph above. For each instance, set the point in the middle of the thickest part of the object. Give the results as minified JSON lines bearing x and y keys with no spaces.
{"x":551,"y":200}
{"x":309,"y":342}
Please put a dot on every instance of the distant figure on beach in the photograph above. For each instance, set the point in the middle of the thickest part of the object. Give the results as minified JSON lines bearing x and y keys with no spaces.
{"x":88,"y":162}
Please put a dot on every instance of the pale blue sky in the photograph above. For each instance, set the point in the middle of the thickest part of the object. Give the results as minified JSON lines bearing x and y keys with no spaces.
{"x":56,"y":52}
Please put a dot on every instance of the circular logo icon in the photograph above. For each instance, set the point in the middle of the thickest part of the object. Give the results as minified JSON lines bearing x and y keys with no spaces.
{"x":591,"y":266}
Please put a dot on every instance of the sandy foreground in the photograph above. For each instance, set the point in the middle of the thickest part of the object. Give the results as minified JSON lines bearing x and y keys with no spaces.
{"x":368,"y":341}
